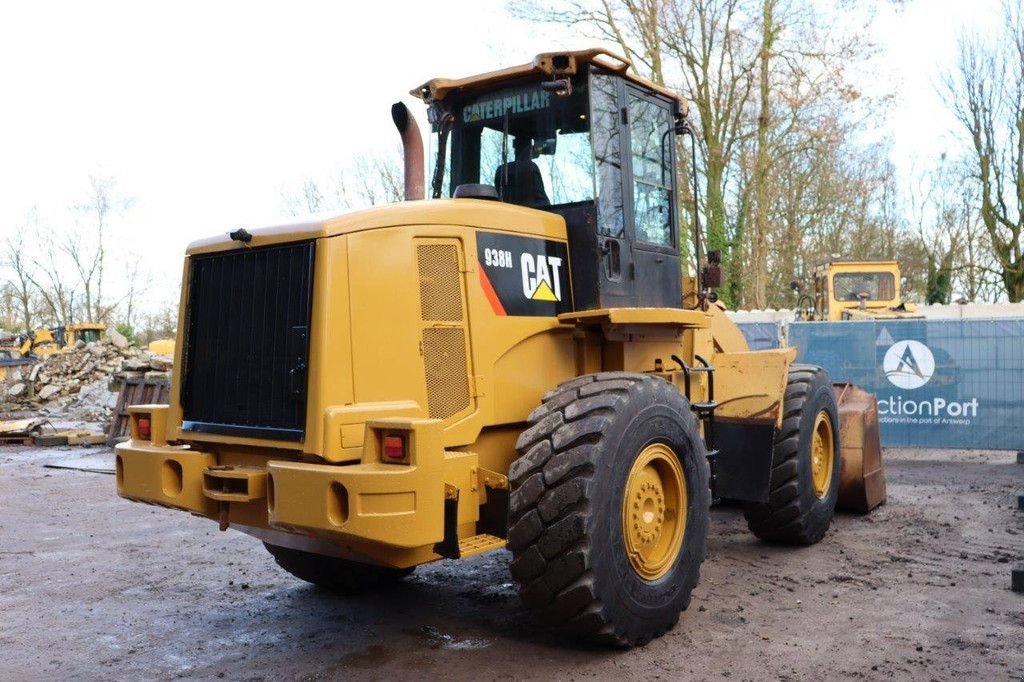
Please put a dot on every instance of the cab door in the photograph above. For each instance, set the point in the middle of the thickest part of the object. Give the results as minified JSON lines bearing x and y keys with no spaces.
{"x":615,"y":274}
{"x":652,"y":200}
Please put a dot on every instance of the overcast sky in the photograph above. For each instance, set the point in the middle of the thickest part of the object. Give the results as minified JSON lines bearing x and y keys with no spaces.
{"x":206,"y":112}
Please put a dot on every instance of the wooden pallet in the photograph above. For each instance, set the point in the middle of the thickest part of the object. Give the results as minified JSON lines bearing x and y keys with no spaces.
{"x":135,"y":392}
{"x":16,"y":440}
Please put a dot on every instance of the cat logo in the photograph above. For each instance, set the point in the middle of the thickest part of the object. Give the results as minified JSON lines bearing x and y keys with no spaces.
{"x":524,"y":276}
{"x":541,"y":281}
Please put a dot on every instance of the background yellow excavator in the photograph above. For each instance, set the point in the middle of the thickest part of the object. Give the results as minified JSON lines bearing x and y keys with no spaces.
{"x":855,"y":290}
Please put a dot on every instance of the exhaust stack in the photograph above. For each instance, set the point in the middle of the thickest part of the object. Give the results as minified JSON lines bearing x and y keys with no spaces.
{"x":412,"y":150}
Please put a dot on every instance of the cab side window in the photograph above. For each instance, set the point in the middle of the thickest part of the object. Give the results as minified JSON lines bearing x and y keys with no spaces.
{"x":606,"y":136}
{"x":651,"y":158}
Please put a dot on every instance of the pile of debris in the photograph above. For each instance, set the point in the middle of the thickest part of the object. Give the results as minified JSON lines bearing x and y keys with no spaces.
{"x":83,"y":379}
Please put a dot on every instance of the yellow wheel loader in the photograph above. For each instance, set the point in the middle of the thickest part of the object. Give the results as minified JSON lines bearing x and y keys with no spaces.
{"x":514,"y":363}
{"x":86,"y":332}
{"x":40,"y":343}
{"x":855,"y":290}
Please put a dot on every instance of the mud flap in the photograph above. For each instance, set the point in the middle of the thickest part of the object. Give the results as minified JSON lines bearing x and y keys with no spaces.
{"x":743,"y":469}
{"x":449,"y":546}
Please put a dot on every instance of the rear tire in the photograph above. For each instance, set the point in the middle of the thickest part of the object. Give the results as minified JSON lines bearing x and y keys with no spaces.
{"x":804,"y":487}
{"x":332,"y":573}
{"x":585,"y":559}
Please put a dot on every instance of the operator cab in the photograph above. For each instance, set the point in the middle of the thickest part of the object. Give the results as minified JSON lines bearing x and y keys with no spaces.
{"x":841,"y":285}
{"x":576,"y":135}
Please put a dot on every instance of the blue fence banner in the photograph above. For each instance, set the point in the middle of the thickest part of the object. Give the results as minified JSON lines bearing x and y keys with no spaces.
{"x":940,"y":383}
{"x":761,"y":335}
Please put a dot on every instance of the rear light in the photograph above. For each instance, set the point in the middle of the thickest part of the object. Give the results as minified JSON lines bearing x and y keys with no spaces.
{"x":393,"y":448}
{"x":142,"y":424}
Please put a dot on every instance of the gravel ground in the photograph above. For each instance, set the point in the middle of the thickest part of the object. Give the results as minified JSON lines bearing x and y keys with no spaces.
{"x":95,"y":587}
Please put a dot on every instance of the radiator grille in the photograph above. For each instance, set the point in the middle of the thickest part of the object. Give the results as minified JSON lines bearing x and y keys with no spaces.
{"x":440,"y":285}
{"x":445,"y":357}
{"x":247,"y":342}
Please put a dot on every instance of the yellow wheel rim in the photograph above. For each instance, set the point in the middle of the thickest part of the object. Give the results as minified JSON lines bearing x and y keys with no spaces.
{"x":822,"y":454}
{"x":654,"y":511}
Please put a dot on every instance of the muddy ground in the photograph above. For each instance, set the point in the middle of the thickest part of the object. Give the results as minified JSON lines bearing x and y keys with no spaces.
{"x":94,"y":587}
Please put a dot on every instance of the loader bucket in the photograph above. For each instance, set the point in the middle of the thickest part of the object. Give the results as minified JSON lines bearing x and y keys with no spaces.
{"x":862,"y":479}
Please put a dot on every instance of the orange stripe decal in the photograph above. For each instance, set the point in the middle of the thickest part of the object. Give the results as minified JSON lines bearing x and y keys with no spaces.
{"x":491,"y":294}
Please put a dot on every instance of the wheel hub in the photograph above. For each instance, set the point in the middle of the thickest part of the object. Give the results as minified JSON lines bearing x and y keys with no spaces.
{"x":822,"y":454}
{"x":654,"y":511}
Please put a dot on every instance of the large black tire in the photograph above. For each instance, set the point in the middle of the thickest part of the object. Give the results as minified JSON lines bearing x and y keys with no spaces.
{"x":795,"y":514}
{"x":566,"y":510}
{"x":332,"y":573}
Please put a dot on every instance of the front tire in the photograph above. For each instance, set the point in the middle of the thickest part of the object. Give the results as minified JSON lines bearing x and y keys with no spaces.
{"x":334,"y":574}
{"x":805,"y":464}
{"x":609,"y":507}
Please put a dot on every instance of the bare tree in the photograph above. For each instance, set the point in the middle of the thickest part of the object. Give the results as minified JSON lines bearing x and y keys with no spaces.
{"x":986,"y":93}
{"x":371,"y":180}
{"x":767,"y":84}
{"x":47,"y":273}
{"x":159,"y":323}
{"x":87,"y":248}
{"x":307,"y":200}
{"x":19,"y":284}
{"x":136,"y":281}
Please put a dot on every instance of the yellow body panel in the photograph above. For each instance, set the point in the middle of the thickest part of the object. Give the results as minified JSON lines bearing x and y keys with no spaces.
{"x":42,"y":344}
{"x":162,"y":347}
{"x":750,"y":385}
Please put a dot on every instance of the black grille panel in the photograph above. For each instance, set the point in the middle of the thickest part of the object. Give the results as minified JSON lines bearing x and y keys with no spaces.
{"x":247,"y":343}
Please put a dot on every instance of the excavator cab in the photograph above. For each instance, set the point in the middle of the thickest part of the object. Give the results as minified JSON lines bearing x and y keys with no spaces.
{"x":584,"y":139}
{"x":856,"y":290}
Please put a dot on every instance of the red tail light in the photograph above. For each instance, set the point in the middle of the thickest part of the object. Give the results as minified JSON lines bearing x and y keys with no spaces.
{"x":393,"y":448}
{"x":144,"y":429}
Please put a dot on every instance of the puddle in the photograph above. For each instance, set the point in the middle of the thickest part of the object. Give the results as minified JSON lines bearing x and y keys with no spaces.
{"x":435,"y":639}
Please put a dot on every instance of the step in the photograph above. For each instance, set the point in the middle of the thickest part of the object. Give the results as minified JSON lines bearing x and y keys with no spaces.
{"x":478,"y":544}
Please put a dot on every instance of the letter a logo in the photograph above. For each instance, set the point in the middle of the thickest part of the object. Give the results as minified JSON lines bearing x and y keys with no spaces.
{"x":908,"y":364}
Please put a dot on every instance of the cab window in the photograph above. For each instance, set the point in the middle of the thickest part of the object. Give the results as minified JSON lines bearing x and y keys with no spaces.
{"x":607,"y":141}
{"x":531,"y":145}
{"x":876,"y":286}
{"x":650,"y":126}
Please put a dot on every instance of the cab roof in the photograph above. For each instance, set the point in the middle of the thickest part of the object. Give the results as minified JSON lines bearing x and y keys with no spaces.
{"x":869,"y":262}
{"x":554,"y":64}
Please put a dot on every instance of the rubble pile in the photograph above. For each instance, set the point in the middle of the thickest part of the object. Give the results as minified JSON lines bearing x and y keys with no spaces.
{"x":81,"y":379}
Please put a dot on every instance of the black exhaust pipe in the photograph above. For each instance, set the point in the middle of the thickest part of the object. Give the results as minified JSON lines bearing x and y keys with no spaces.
{"x":412,"y":150}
